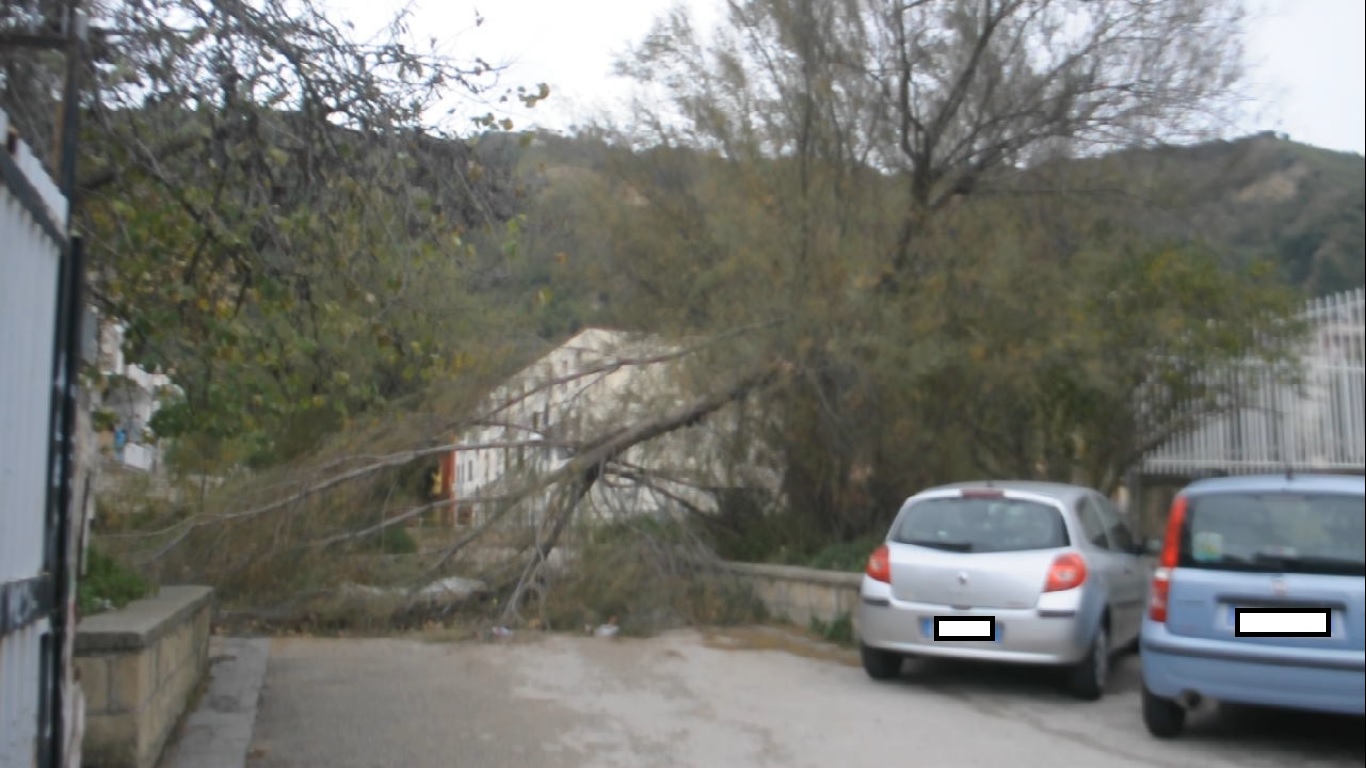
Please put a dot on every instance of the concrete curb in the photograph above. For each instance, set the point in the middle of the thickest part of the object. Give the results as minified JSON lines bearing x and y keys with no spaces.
{"x":218,"y":733}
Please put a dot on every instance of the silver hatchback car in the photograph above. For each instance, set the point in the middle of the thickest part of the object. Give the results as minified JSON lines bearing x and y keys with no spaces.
{"x":1017,"y":572}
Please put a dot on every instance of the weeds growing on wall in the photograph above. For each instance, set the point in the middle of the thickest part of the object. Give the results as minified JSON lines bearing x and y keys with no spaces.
{"x":108,"y":583}
{"x":840,"y":630}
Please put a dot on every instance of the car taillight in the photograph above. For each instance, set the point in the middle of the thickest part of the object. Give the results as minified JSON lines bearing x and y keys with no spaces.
{"x":880,"y":565}
{"x":1171,"y":549}
{"x":1067,"y":572}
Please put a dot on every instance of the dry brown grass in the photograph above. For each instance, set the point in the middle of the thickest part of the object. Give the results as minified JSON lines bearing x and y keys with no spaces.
{"x":456,"y":633}
{"x":784,"y":639}
{"x":649,"y":576}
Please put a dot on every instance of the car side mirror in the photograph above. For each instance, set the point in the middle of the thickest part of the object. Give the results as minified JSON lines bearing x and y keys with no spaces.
{"x":1152,"y":546}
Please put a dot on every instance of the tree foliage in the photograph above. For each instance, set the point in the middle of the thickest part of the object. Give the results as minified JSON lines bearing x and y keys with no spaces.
{"x":1077,"y":358}
{"x":945,"y":94}
{"x":277,"y":209}
{"x":887,"y":185}
{"x":868,"y":216}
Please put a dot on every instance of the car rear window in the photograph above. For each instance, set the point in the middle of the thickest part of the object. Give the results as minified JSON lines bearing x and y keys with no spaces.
{"x":1276,"y":533}
{"x":982,"y":525}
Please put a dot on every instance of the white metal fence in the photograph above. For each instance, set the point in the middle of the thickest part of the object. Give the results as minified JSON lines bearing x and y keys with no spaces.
{"x":32,"y":225}
{"x":1318,"y":423}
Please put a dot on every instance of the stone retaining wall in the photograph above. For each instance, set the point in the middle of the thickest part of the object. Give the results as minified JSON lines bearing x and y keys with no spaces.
{"x":138,"y":668}
{"x":798,"y":595}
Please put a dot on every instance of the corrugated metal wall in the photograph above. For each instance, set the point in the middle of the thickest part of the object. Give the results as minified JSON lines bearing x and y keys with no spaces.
{"x":30,"y":259}
{"x":1316,"y":424}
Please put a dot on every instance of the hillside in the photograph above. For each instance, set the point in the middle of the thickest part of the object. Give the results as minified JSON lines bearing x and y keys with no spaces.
{"x":1303,"y":206}
{"x":1258,"y":196}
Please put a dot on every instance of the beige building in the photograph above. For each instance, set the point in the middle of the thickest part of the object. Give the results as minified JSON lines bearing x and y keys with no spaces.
{"x":595,"y":383}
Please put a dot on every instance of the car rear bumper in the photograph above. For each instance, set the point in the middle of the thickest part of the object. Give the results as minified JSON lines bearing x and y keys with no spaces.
{"x":1326,"y":681}
{"x":1053,"y":636}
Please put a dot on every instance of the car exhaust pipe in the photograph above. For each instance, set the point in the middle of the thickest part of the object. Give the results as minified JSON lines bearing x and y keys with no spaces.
{"x":1189,"y":699}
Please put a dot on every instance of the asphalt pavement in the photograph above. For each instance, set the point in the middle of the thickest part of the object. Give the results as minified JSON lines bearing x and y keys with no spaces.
{"x":695,"y":701}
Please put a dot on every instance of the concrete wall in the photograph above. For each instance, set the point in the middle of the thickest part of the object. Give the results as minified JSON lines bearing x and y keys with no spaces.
{"x":798,"y":595}
{"x":138,"y":668}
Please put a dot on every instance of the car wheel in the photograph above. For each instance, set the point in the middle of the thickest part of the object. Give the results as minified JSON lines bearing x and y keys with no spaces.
{"x":1165,"y":718}
{"x":879,"y":664}
{"x":1086,"y":680}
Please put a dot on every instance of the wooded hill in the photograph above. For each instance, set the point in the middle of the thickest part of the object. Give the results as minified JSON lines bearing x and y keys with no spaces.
{"x":1262,"y":196}
{"x":1265,"y":195}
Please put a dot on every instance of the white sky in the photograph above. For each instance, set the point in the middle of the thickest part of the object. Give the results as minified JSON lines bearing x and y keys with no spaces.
{"x":1308,"y":57}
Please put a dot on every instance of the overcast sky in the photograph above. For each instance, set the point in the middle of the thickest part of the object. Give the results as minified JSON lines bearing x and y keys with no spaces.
{"x":1308,"y":57}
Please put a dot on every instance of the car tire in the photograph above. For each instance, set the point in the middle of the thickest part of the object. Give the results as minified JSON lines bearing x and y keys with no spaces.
{"x":1087,"y":678}
{"x":879,"y":664}
{"x":1164,"y":718}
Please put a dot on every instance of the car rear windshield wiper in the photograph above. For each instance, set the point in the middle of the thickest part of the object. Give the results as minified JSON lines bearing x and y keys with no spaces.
{"x":951,"y":546}
{"x":1310,"y":564}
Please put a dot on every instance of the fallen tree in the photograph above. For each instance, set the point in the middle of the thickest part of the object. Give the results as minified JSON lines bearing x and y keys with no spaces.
{"x":294,"y":541}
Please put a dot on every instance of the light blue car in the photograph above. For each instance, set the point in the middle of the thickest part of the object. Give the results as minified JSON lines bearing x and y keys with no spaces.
{"x":1259,"y":598}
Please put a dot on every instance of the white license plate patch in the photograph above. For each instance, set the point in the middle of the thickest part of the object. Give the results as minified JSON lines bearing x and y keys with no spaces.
{"x":1281,"y":622}
{"x":960,"y":628}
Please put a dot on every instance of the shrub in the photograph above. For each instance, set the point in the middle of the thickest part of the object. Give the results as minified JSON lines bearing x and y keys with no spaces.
{"x":108,"y":581}
{"x":841,"y":630}
{"x":850,"y":556}
{"x":650,"y":575}
{"x":395,"y":540}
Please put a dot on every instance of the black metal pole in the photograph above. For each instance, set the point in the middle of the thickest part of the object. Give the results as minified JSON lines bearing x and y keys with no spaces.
{"x":63,"y":573}
{"x":55,"y":558}
{"x":66,"y":359}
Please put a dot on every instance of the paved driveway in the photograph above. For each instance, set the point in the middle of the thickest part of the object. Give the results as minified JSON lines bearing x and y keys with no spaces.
{"x":691,"y":701}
